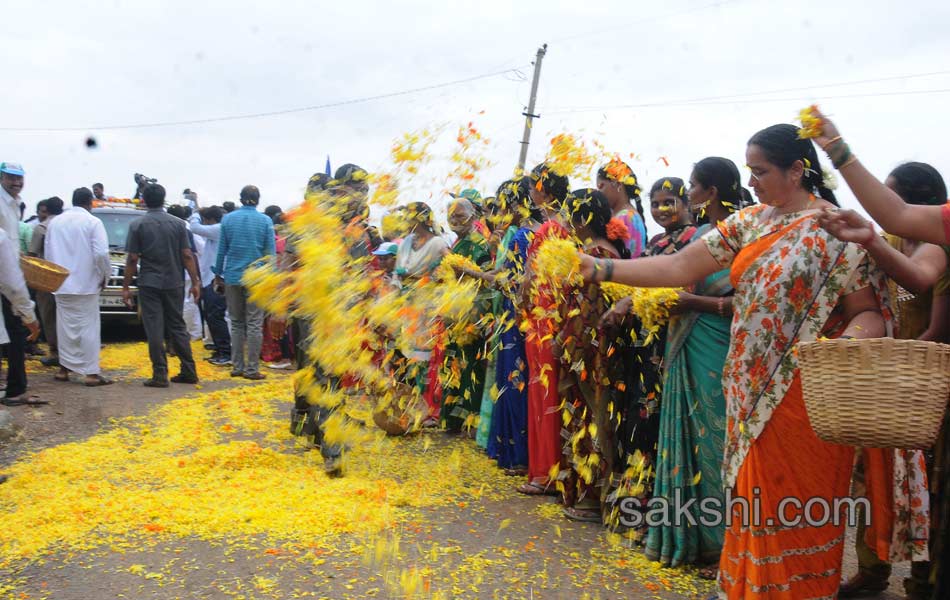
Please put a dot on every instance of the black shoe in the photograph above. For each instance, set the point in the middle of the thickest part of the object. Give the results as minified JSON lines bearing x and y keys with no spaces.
{"x":34,"y":350}
{"x":50,"y":361}
{"x":182,"y":378}
{"x":3,"y":478}
{"x":155,"y":383}
{"x":220,"y":361}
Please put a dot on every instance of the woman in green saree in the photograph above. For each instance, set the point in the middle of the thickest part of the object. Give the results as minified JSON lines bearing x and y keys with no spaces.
{"x":693,"y":412}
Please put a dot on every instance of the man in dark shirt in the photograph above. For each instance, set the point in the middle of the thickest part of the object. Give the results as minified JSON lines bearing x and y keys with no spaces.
{"x":158,"y":245}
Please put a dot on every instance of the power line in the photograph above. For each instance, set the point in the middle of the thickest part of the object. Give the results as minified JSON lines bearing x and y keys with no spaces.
{"x":272,"y":113}
{"x":743,"y":98}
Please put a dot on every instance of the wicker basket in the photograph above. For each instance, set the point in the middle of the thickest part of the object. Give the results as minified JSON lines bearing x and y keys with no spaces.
{"x":876,"y":393}
{"x":42,"y":275}
{"x":401,"y":413}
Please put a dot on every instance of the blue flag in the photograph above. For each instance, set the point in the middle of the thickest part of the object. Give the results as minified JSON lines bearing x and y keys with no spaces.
{"x":329,"y":174}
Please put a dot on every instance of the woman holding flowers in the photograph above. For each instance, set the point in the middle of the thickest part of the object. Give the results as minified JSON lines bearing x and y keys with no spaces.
{"x":793,"y":282}
{"x":693,"y":410}
{"x":588,"y":359}
{"x":639,"y":417}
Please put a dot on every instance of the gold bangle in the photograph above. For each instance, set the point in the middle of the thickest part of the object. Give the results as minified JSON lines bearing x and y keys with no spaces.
{"x":853,"y":159}
{"x":831,"y":142}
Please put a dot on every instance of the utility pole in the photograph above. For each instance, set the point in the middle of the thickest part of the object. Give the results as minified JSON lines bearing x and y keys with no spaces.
{"x":529,"y":115}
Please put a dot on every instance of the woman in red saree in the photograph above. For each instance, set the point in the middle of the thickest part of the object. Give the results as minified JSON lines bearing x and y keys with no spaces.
{"x":548,"y":192}
{"x":793,"y":282}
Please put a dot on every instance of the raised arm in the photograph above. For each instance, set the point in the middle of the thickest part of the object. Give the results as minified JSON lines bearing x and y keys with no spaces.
{"x":212,"y":232}
{"x":917,"y":273}
{"x":689,"y":265}
{"x":909,"y":221}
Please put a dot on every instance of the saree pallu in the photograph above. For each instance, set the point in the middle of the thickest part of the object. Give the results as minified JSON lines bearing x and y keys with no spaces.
{"x":692,"y":431}
{"x":544,"y":418}
{"x":789,"y":276}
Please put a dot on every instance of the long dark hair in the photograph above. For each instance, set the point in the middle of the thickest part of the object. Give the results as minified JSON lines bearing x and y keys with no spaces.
{"x":919,"y":183}
{"x":723,"y":174}
{"x":549,"y":182}
{"x":782,"y":147}
{"x":620,"y":172}
{"x":514,"y":196}
{"x":590,"y":206}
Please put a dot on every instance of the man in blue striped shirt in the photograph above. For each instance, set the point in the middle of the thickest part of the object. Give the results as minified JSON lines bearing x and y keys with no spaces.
{"x":246,"y":237}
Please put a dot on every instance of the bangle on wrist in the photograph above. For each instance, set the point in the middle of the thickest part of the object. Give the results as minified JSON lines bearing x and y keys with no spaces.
{"x":835,"y":140}
{"x":852,"y":159}
{"x":608,"y":275}
{"x":597,"y":269}
{"x":721,"y":306}
{"x":840,"y":155}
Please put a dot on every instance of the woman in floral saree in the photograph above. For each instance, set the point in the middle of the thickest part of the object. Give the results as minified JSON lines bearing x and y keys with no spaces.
{"x":793,"y":282}
{"x":693,"y":411}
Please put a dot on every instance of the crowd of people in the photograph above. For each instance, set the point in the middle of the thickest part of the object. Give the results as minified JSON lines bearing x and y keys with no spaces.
{"x":561,"y":382}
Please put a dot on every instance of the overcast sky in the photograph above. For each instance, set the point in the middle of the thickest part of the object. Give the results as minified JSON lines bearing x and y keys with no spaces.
{"x":98,"y":63}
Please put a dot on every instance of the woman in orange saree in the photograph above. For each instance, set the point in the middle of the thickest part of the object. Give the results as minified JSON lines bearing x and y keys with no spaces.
{"x":793,"y":282}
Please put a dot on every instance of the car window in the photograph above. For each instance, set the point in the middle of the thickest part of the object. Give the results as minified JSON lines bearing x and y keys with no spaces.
{"x":117,"y":227}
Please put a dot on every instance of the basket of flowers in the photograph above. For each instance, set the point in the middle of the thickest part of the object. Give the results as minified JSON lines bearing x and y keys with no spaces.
{"x":42,"y":275}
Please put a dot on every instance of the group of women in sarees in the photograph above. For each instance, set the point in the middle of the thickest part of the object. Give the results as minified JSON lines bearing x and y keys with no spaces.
{"x":576,"y":397}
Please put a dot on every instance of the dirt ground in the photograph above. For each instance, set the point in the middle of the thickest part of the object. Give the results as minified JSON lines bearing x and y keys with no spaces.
{"x":460,"y":549}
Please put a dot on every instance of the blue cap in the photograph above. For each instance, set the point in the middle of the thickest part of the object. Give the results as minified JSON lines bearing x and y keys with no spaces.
{"x":11,"y":168}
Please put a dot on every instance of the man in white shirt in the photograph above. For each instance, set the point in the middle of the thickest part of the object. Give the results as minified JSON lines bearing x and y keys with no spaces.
{"x":77,"y":240}
{"x":14,"y":292}
{"x":11,"y":184}
{"x":206,"y":224}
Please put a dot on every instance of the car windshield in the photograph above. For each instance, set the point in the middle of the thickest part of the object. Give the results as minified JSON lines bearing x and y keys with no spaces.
{"x":117,"y":227}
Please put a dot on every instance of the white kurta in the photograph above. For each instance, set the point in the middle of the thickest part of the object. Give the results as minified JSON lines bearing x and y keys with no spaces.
{"x":12,"y":286}
{"x":78,"y":330}
{"x":10,"y":216}
{"x":77,"y":240}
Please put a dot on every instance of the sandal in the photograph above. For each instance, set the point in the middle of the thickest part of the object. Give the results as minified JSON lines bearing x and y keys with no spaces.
{"x":710,"y":573}
{"x":61,"y":377}
{"x":516,"y":472}
{"x":24,"y":400}
{"x":98,"y":381}
{"x":536,"y":489}
{"x":582,"y":515}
